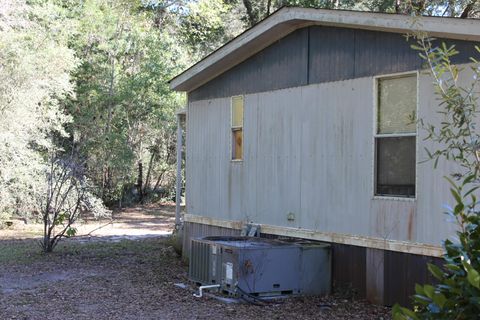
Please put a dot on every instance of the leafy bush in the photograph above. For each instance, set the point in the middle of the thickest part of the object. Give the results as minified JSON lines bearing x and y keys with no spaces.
{"x":65,"y":196}
{"x":457,"y":293}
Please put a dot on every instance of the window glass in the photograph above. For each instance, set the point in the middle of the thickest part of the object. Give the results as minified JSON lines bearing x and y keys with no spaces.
{"x":237,"y":144}
{"x":237,"y":127}
{"x":396,"y":166}
{"x":237,"y":111}
{"x":397,"y":103}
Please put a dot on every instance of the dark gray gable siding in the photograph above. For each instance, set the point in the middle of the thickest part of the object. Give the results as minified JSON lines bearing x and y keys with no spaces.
{"x":321,"y":54}
{"x":281,"y":65}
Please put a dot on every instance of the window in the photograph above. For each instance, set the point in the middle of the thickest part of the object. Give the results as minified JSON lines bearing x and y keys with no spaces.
{"x":237,"y":128}
{"x":395,"y":136}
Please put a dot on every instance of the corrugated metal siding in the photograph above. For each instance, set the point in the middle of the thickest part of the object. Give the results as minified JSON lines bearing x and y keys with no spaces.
{"x":336,"y":148}
{"x":382,"y":53}
{"x":308,"y":151}
{"x":331,"y":54}
{"x":281,"y":65}
{"x":349,"y":270}
{"x":402,"y":271}
{"x":321,"y":54}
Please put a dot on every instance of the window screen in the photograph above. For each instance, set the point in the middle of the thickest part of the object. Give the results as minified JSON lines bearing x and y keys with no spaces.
{"x":237,"y":111}
{"x":397,"y":104}
{"x":395,"y":139}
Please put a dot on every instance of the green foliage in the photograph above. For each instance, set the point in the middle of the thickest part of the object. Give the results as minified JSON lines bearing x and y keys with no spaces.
{"x":457,"y":294}
{"x":206,"y":25}
{"x":35,"y":63}
{"x":456,"y":136}
{"x":123,"y":102}
{"x":93,"y":75}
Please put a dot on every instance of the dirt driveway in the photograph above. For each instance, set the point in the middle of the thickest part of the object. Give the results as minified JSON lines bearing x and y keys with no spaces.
{"x":130,"y":271}
{"x":144,"y":221}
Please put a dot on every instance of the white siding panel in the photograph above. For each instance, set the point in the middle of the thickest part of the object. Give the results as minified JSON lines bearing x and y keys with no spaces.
{"x":278,"y":156}
{"x":434,"y":194}
{"x":207,"y":153}
{"x":336,"y":143}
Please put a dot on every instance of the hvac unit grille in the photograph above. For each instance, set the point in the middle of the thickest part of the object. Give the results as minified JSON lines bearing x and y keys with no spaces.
{"x":200,"y":262}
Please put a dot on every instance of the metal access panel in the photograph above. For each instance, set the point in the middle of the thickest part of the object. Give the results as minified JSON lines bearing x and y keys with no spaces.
{"x":262,"y":267}
{"x":316,"y":268}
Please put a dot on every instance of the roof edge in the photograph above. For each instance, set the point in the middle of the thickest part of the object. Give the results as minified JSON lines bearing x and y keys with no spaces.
{"x":289,"y":19}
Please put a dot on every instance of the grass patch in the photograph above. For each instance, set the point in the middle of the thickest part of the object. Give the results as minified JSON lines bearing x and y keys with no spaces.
{"x":28,"y":251}
{"x":19,"y":251}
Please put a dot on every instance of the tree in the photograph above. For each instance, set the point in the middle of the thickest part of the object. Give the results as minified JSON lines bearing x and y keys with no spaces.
{"x":258,"y":10}
{"x":35,"y":63}
{"x":123,"y":102}
{"x":208,"y":24}
{"x":66,"y":195}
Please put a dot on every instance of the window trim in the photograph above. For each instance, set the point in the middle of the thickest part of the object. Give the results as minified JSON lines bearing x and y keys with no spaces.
{"x":236,"y":128}
{"x":376,"y":135}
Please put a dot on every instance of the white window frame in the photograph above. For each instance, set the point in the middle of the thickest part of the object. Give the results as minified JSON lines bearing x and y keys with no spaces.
{"x":376,"y":135}
{"x":232,"y":129}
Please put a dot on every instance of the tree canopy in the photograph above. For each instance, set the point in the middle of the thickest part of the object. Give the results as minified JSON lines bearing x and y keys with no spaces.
{"x":91,"y":78}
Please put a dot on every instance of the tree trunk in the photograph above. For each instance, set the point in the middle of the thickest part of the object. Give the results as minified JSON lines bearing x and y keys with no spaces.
{"x":140,"y":180}
{"x":468,"y":9}
{"x":149,"y":173}
{"x":252,"y":19}
{"x":157,"y":184}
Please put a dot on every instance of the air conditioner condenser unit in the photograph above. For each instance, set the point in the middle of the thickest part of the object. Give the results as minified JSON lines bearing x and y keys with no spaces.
{"x":261,"y":267}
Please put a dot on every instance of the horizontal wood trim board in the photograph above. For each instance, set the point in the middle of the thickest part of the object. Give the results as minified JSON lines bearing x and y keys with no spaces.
{"x":361,"y":241}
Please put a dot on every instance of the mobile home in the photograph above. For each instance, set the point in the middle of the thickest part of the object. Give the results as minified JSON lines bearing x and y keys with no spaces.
{"x":302,"y":125}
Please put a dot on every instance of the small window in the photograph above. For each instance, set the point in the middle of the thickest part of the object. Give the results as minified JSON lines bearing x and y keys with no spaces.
{"x":237,"y":128}
{"x":395,"y":138}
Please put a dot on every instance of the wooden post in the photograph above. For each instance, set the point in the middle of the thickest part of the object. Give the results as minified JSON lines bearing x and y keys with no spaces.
{"x":178,"y":191}
{"x":375,"y":276}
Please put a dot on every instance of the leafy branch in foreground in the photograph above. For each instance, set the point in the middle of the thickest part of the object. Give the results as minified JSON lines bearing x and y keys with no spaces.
{"x":457,"y":293}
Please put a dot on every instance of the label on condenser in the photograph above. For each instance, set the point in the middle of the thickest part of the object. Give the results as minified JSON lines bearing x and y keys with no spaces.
{"x":214,"y":265}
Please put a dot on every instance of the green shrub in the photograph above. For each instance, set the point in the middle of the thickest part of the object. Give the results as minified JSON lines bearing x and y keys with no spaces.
{"x":457,"y":293}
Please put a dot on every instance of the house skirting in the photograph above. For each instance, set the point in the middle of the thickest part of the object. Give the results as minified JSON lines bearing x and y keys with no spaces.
{"x":382,"y":271}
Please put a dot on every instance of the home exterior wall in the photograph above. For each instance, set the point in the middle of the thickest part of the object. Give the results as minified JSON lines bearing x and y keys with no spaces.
{"x":309,"y":151}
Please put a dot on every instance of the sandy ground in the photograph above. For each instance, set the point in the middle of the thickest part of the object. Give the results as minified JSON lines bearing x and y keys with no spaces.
{"x":129,"y":270}
{"x":145,"y":221}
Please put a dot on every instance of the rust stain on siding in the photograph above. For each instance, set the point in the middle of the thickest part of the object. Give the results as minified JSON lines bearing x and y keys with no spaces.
{"x":411,"y":218}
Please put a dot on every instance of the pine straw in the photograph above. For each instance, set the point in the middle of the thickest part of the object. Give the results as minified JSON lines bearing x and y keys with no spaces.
{"x":132,"y":279}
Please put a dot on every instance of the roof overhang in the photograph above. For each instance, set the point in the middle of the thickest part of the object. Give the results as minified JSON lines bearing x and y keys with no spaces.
{"x":288,"y":19}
